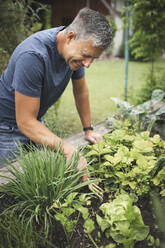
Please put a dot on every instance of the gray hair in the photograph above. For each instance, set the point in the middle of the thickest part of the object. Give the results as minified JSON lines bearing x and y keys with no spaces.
{"x":91,"y":25}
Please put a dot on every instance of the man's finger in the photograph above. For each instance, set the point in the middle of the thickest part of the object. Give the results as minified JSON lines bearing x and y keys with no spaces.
{"x":91,"y":139}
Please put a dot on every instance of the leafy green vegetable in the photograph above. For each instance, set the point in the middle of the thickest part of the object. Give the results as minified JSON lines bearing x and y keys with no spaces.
{"x":64,"y":214}
{"x":159,"y":178}
{"x":146,"y":116}
{"x":122,"y":221}
{"x":127,"y":161}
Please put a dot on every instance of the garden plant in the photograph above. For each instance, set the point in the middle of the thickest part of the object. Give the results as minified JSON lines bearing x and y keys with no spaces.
{"x":47,"y":199}
{"x":43,"y":179}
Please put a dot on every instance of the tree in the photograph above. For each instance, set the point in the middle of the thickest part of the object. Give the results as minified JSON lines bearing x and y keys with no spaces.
{"x":148,"y":40}
{"x":17,"y":19}
{"x":11,"y":28}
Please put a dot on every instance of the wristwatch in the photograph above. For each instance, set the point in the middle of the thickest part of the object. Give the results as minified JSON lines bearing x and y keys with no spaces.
{"x":88,"y":128}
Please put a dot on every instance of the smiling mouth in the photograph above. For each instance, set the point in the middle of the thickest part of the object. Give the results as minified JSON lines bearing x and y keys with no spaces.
{"x":76,"y":64}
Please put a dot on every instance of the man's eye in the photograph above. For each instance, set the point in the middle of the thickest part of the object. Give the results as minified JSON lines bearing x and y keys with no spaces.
{"x":86,"y":56}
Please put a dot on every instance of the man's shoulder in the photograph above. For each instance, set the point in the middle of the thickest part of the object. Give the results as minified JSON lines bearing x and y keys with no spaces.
{"x":47,"y":36}
{"x":39,"y":42}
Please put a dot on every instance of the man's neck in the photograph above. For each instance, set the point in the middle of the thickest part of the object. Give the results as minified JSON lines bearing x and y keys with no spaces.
{"x":60,"y":42}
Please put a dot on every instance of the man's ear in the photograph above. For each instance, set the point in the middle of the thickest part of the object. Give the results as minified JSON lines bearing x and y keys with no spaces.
{"x":70,"y":36}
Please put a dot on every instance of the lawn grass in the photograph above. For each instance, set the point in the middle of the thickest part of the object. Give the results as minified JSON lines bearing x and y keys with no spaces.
{"x":105,"y":79}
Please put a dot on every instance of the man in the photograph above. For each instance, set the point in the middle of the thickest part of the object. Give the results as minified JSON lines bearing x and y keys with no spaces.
{"x":38,"y":73}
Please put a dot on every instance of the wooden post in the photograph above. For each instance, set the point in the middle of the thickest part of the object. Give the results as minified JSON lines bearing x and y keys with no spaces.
{"x":88,"y":3}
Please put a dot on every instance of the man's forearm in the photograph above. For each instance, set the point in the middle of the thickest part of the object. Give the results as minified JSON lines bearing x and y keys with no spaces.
{"x":83,"y":108}
{"x":40,"y":134}
{"x":26,"y":117}
{"x":81,"y":96}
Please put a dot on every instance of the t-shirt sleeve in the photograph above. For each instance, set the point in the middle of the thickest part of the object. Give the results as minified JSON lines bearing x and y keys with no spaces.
{"x":78,"y":73}
{"x":28,"y":75}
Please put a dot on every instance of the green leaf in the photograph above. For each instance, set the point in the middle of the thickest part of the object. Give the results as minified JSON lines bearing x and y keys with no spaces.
{"x":102,"y":223}
{"x":69,"y":199}
{"x":92,"y":153}
{"x":131,"y":184}
{"x":60,"y":217}
{"x":89,"y":225}
{"x":159,"y":177}
{"x":139,"y":232}
{"x":108,"y":158}
{"x":162,"y":192}
{"x":83,"y":211}
{"x":67,"y":211}
{"x":143,"y":146}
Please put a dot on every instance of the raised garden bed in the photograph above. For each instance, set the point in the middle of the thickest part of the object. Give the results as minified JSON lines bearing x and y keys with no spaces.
{"x":82,"y":223}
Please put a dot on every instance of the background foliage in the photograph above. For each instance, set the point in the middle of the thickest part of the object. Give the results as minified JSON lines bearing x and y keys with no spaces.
{"x":148,"y":40}
{"x":17,"y":22}
{"x":152,"y":82}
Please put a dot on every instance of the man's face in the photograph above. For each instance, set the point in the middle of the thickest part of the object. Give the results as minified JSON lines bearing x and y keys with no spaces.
{"x":80,"y":53}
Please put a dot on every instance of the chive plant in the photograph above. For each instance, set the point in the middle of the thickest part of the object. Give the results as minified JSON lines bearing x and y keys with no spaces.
{"x":43,"y":178}
{"x":13,"y":233}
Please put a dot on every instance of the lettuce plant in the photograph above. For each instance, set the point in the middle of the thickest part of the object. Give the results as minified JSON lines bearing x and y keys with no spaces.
{"x":122,"y":221}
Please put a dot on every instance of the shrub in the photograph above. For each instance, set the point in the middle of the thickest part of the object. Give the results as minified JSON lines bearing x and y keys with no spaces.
{"x":4,"y":60}
{"x":18,"y":20}
{"x":148,"y":36}
{"x":153,"y":82}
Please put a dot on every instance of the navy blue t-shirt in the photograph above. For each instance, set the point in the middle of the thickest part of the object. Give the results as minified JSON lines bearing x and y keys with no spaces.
{"x":35,"y":69}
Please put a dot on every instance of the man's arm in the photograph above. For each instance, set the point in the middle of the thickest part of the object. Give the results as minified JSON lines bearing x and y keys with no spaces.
{"x":81,"y":95}
{"x":26,"y":117}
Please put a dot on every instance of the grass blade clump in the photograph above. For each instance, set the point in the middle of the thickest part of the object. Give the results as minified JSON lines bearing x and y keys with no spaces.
{"x":43,"y":178}
{"x":14,"y":234}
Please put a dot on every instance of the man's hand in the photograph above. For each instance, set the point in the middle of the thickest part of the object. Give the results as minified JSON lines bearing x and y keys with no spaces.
{"x":83,"y":165}
{"x":69,"y":151}
{"x":93,"y":137}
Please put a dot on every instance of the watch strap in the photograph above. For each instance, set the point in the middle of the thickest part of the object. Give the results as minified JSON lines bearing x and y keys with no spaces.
{"x":88,"y":128}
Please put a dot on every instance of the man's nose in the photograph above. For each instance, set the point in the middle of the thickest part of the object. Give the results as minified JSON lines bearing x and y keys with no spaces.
{"x":87,"y":62}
